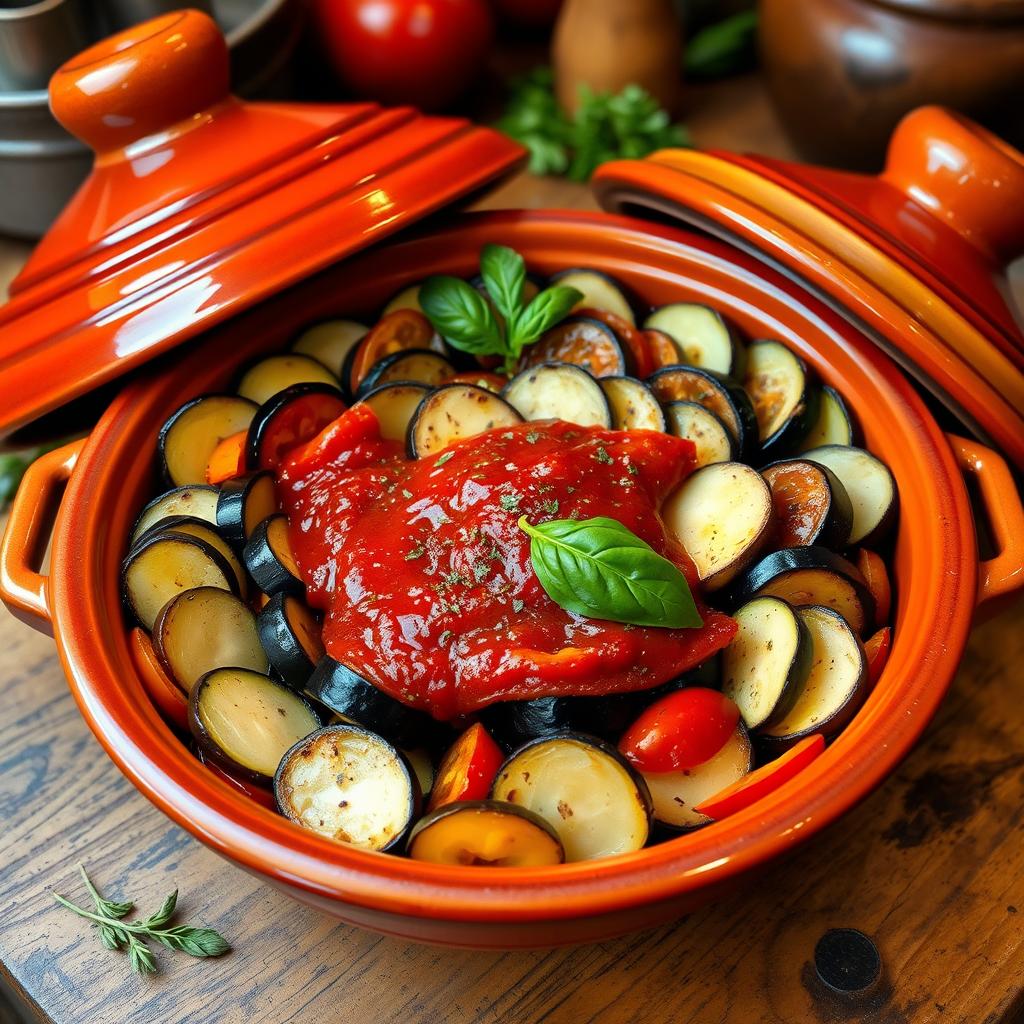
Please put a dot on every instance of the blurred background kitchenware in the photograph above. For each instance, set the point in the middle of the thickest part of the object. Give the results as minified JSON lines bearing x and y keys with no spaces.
{"x":37,"y":37}
{"x":114,"y":15}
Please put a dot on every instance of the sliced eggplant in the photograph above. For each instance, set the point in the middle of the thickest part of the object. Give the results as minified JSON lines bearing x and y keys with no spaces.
{"x":290,"y":635}
{"x":599,"y":291}
{"x":675,"y":795}
{"x":810,"y":503}
{"x":871,"y":488}
{"x":266,"y":378}
{"x":412,"y":366}
{"x":633,"y":404}
{"x":206,"y":532}
{"x":204,"y":629}
{"x":810,"y":576}
{"x":269,"y":558}
{"x":710,"y":436}
{"x":246,"y":722}
{"x":767,"y":660}
{"x":485,"y":833}
{"x":702,"y":336}
{"x":395,"y":405}
{"x":396,"y":331}
{"x":591,"y":796}
{"x":288,"y":419}
{"x":784,"y":397}
{"x":834,"y":688}
{"x":330,"y":342}
{"x":197,"y":500}
{"x":581,"y":341}
{"x":558,"y":391}
{"x":834,"y":423}
{"x":723,"y":395}
{"x":349,"y":784}
{"x":722,"y":516}
{"x":164,"y":565}
{"x":407,"y":298}
{"x":453,"y":413}
{"x":188,"y":438}
{"x":244,"y":502}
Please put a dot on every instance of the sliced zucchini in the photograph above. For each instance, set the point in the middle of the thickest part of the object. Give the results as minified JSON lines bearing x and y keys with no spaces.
{"x":835,"y":686}
{"x":288,"y":419}
{"x":785,"y":399}
{"x":244,"y":502}
{"x":330,"y":342}
{"x":580,"y":341}
{"x":269,"y":558}
{"x":722,"y":517}
{"x":584,"y":789}
{"x":290,"y":635}
{"x":703,"y":337}
{"x":206,"y":532}
{"x":599,"y":291}
{"x":349,"y":784}
{"x":767,"y":660}
{"x":204,"y":629}
{"x":811,"y":505}
{"x":559,"y":391}
{"x":675,"y":795}
{"x":810,"y":576}
{"x":264,"y":379}
{"x":246,"y":722}
{"x":485,"y":833}
{"x":195,"y":500}
{"x":164,"y":565}
{"x":871,"y":488}
{"x":834,"y":423}
{"x":633,"y":404}
{"x":710,"y":436}
{"x":407,"y":298}
{"x":411,"y":366}
{"x":395,"y":405}
{"x":188,"y":438}
{"x":453,"y":413}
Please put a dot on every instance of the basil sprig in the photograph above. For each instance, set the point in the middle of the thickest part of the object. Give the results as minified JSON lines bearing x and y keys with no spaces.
{"x":600,"y":569}
{"x":467,"y":321}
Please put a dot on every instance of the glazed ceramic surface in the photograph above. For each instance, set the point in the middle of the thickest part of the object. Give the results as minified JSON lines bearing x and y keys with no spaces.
{"x":938,"y":584}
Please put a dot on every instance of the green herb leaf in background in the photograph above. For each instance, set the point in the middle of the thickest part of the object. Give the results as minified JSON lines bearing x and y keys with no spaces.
{"x":725,"y":48}
{"x":600,"y":569}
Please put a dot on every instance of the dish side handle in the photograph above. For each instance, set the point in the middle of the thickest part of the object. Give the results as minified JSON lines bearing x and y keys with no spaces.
{"x":23,"y":587}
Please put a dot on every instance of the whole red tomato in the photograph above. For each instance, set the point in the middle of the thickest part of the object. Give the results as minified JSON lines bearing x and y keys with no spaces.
{"x":422,"y":52}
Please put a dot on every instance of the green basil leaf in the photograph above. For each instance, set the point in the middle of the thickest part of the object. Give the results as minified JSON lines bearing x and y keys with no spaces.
{"x":546,"y":309}
{"x":504,"y":274}
{"x":461,"y":315}
{"x":600,"y":569}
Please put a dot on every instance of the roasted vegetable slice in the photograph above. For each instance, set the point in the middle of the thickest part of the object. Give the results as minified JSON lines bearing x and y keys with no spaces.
{"x":170,"y":700}
{"x":269,"y":558}
{"x":580,"y":341}
{"x":558,"y":391}
{"x":194,"y":527}
{"x":468,"y":769}
{"x":834,"y":423}
{"x":453,"y":413}
{"x":259,"y":792}
{"x":633,"y":404}
{"x":784,"y":398}
{"x":702,"y":336}
{"x":810,"y":505}
{"x":330,"y":342}
{"x":407,"y":298}
{"x":227,"y":459}
{"x":599,"y":291}
{"x":289,"y":418}
{"x":397,"y":331}
{"x":266,"y":378}
{"x":711,"y":437}
{"x":662,"y":350}
{"x":876,"y":576}
{"x":189,"y":437}
{"x":243,"y":504}
{"x":290,"y":635}
{"x":413,"y":366}
{"x":395,"y":405}
{"x":197,"y":500}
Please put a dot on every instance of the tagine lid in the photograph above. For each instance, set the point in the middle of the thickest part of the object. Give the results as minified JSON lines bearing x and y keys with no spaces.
{"x":200,"y":205}
{"x":916,"y":256}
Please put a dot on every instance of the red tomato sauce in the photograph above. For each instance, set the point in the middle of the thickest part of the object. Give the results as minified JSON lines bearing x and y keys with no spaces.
{"x":426,"y":580}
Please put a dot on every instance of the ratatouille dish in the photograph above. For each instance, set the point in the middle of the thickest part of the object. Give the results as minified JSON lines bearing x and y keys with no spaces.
{"x":516,"y":575}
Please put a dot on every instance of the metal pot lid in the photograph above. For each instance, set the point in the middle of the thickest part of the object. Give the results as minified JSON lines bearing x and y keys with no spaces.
{"x":915,"y":257}
{"x":200,"y":205}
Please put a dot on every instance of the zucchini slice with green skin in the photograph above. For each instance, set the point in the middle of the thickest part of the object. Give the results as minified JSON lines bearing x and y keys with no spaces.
{"x":835,"y":687}
{"x":599,"y":291}
{"x":204,"y":629}
{"x":722,"y":516}
{"x":559,"y":391}
{"x":288,"y":419}
{"x":348,"y":784}
{"x":330,"y":342}
{"x":246,"y":722}
{"x":702,"y":336}
{"x":290,"y":637}
{"x":767,"y":661}
{"x":189,"y":436}
{"x":412,"y":366}
{"x":454,"y":412}
{"x":485,"y":833}
{"x":244,"y":502}
{"x":206,"y":532}
{"x":784,"y":397}
{"x":194,"y":500}
{"x":395,"y":406}
{"x":870,"y":485}
{"x":581,"y":341}
{"x":165,"y":564}
{"x":834,"y":423}
{"x":633,"y":404}
{"x":675,"y":795}
{"x":810,"y":503}
{"x":266,"y":378}
{"x":712,"y":439}
{"x":589,"y":794}
{"x":269,"y":558}
{"x":810,"y":576}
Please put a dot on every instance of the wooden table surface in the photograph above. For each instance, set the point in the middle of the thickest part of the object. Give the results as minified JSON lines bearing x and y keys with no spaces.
{"x":931,"y":866}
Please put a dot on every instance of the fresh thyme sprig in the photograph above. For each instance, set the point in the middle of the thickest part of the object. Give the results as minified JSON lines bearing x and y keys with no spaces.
{"x":116,"y":933}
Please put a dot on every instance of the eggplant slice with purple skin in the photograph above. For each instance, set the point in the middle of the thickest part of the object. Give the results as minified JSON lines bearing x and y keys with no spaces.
{"x":711,"y":438}
{"x":245,"y":502}
{"x":559,"y":391}
{"x":410,"y":366}
{"x":783,"y":394}
{"x":288,"y":419}
{"x":269,"y":558}
{"x":395,"y":406}
{"x":290,"y":636}
{"x":834,"y":423}
{"x":191,"y":433}
{"x":633,"y":404}
{"x":453,"y":413}
{"x":810,"y":503}
{"x":196,"y":500}
{"x":581,"y":341}
{"x":195,"y":527}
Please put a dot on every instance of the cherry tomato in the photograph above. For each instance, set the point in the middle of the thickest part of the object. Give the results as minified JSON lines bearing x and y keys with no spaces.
{"x":680,"y":731}
{"x":468,"y":770}
{"x":422,"y":52}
